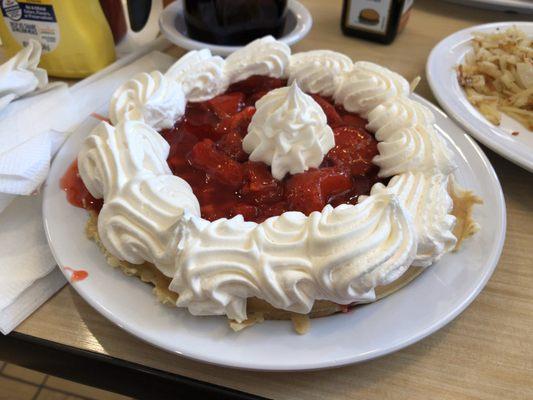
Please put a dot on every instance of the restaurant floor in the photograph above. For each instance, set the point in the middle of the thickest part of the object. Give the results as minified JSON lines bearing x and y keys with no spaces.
{"x":17,"y":383}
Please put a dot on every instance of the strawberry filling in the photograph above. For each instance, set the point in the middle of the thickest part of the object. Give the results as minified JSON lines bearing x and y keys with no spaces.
{"x":206,"y":150}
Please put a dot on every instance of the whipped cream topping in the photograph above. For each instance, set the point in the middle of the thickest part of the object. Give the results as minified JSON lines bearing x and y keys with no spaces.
{"x":20,"y":74}
{"x":368,"y":85}
{"x":318,"y":71}
{"x":200,"y":74}
{"x":265,"y":56}
{"x":148,"y":97}
{"x":408,"y":141}
{"x":290,"y":261}
{"x":144,"y":203}
{"x":426,"y":198}
{"x":289,"y":132}
{"x":340,"y":254}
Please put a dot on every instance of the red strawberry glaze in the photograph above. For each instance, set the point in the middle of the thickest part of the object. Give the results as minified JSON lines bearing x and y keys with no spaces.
{"x":77,"y":193}
{"x":206,"y":151}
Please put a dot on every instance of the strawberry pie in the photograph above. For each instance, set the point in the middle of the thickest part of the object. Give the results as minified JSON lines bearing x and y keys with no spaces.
{"x":270,"y":185}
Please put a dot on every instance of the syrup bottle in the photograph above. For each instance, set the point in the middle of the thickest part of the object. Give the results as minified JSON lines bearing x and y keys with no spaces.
{"x":377,"y":20}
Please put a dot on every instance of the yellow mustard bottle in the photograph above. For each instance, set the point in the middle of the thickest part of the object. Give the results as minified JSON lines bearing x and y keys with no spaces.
{"x":75,"y":35}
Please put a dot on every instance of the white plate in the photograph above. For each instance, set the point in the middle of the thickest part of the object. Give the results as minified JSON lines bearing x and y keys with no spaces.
{"x":425,"y":305}
{"x":442,"y":78}
{"x":172,"y":24}
{"x":517,"y":6}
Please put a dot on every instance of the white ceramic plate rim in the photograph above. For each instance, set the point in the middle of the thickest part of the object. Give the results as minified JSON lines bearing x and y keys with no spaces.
{"x":441,"y":78}
{"x":506,"y":5}
{"x":304,"y":22}
{"x":288,"y":363}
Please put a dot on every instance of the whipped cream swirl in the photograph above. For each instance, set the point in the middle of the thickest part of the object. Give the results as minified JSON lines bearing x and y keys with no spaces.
{"x":318,"y":71}
{"x":426,"y":198}
{"x":408,"y":140}
{"x":148,"y":97}
{"x":289,"y":132}
{"x":265,"y":56}
{"x":289,"y":261}
{"x":144,"y":203}
{"x":368,"y":85}
{"x":200,"y":74}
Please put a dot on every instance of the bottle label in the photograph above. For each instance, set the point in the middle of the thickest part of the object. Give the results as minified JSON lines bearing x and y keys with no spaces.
{"x":31,"y":20}
{"x":369,"y":15}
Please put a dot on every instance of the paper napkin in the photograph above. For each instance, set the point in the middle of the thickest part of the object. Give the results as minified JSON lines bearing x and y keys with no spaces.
{"x":25,"y":260}
{"x":20,"y":74}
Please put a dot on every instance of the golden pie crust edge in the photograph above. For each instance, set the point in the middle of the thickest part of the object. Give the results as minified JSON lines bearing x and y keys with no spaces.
{"x":259,"y":310}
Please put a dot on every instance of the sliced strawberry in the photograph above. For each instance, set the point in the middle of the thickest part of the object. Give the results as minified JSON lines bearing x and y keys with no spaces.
{"x":311,"y":190}
{"x":200,"y":113}
{"x":354,"y":149}
{"x":221,"y":167}
{"x":340,"y":110}
{"x":181,"y":143}
{"x":260,"y":186}
{"x":257,"y":83}
{"x":334,"y":119}
{"x":272,"y":210}
{"x":205,"y":131}
{"x":354,"y":121}
{"x":237,"y":123}
{"x":360,"y":185}
{"x":231,"y":144}
{"x":251,"y":100}
{"x":303,"y":193}
{"x":248,"y":211}
{"x":169,"y":134}
{"x":227,"y":105}
{"x":212,"y":212}
{"x":333,"y":181}
{"x":206,"y":194}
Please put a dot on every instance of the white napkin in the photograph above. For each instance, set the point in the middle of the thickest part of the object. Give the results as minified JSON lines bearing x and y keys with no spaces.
{"x":29,"y":136}
{"x":20,"y":74}
{"x":26,"y":280}
{"x":25,"y":260}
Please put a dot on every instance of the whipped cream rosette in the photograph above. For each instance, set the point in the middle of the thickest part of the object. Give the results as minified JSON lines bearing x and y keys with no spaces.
{"x":342,"y":254}
{"x":152,"y":98}
{"x":289,"y":132}
{"x":318,"y":71}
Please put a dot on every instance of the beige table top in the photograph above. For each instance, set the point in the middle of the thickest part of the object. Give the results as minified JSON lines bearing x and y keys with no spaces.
{"x":487,"y":352}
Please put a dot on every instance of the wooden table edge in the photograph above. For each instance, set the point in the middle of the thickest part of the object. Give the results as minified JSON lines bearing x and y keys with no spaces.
{"x":106,"y":372}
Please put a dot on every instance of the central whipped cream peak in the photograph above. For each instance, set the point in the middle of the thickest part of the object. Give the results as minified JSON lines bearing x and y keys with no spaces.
{"x":289,"y":132}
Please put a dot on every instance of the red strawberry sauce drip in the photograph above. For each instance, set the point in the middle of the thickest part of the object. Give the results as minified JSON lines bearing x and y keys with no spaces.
{"x":77,"y":275}
{"x":206,"y":151}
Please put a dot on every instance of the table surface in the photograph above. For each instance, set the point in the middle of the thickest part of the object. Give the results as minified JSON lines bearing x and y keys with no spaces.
{"x":487,"y":352}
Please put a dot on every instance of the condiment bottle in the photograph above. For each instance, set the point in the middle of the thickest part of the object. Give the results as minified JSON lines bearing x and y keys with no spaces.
{"x":75,"y":35}
{"x":377,"y":20}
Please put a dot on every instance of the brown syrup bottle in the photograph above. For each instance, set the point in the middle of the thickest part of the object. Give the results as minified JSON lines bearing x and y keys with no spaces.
{"x":377,"y":20}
